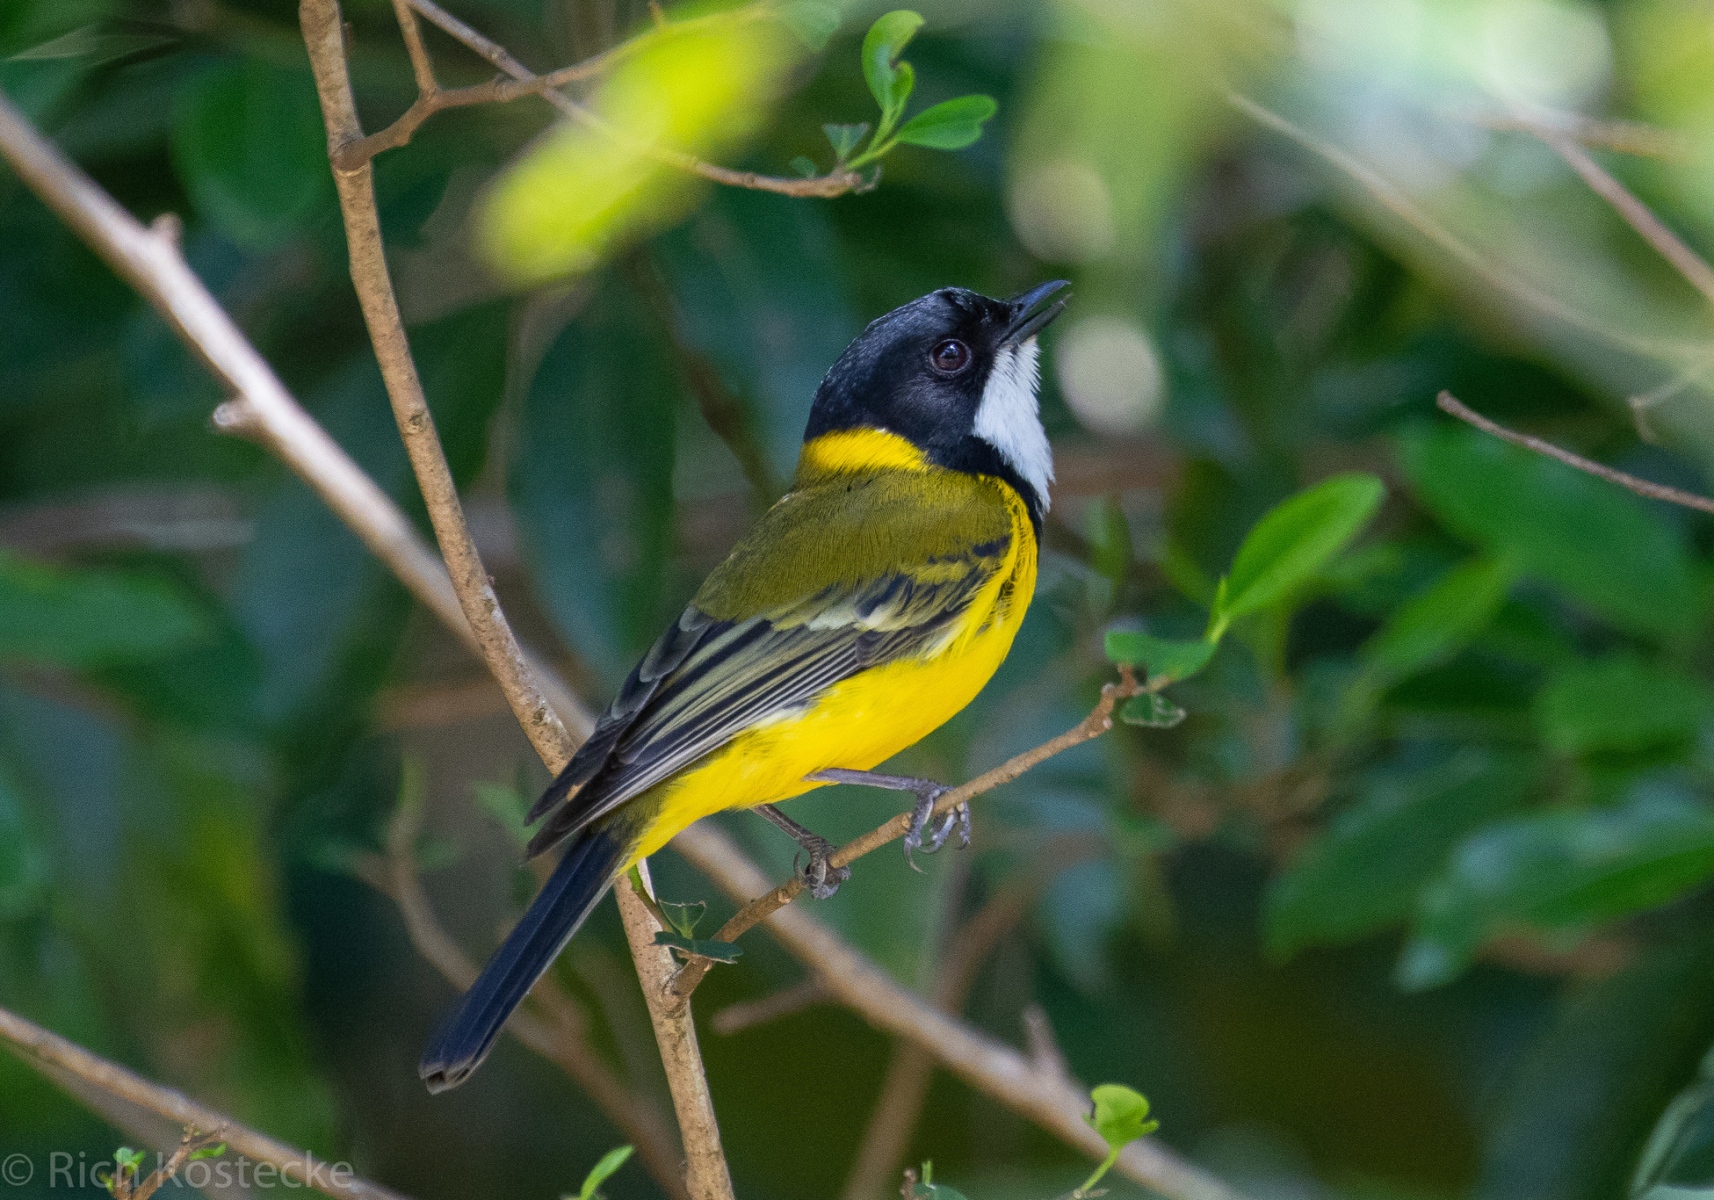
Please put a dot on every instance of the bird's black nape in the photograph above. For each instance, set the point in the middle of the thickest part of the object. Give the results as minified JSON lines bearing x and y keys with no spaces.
{"x":954,"y":372}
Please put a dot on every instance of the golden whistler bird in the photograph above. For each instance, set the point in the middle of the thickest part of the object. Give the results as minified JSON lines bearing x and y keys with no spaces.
{"x":870,"y":604}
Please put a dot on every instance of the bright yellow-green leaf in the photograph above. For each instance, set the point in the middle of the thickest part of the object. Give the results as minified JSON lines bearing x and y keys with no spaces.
{"x":578,"y":193}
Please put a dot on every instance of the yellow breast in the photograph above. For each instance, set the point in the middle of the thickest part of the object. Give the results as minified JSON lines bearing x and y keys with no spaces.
{"x":865,"y":720}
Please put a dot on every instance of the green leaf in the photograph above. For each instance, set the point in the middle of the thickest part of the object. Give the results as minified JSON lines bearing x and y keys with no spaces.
{"x":1558,"y":871}
{"x":949,"y":125}
{"x":1160,"y":658}
{"x":1620,"y":703}
{"x":1151,"y":710}
{"x":684,"y":917}
{"x":1121,"y":1114}
{"x":603,"y":1170}
{"x":1616,"y":555}
{"x":1432,"y":627}
{"x":248,"y":143}
{"x":813,"y":21}
{"x":1293,"y":541}
{"x":804,"y":166}
{"x":724,"y":952}
{"x":1677,"y":1163}
{"x":845,"y":138}
{"x":1365,"y":870}
{"x":202,"y":1152}
{"x":890,"y":81}
{"x":92,"y":43}
{"x":127,"y":1159}
{"x":92,"y":618}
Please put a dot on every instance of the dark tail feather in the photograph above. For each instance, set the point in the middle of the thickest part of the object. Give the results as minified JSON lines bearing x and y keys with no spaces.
{"x":580,"y":880}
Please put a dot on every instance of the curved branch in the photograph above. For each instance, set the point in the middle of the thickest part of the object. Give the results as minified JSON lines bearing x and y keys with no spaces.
{"x":39,"y":1047}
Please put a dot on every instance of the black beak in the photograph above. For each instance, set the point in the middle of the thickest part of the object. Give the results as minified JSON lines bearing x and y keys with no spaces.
{"x":1030,"y":316}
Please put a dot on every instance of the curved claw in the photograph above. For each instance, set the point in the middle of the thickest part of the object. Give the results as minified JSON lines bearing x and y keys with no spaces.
{"x":922,"y":814}
{"x":819,"y":876}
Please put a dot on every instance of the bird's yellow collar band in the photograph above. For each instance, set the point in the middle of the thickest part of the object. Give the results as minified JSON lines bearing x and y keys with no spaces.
{"x":859,"y":450}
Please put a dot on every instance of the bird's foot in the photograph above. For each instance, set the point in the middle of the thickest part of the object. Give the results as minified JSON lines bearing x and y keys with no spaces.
{"x":924,"y":834}
{"x":819,"y":874}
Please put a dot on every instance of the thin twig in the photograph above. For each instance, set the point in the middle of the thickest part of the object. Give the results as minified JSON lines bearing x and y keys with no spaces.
{"x":37,"y":1046}
{"x":1626,"y":137}
{"x":1098,"y":722}
{"x":128,"y":1187}
{"x":1654,"y":491}
{"x":1637,"y":215}
{"x":834,"y":183}
{"x":1398,"y":202}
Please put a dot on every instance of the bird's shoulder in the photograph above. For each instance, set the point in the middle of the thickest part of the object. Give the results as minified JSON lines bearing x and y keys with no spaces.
{"x":846,"y":531}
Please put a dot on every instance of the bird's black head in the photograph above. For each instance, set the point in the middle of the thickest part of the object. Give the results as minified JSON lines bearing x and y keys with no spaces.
{"x":954,"y":373}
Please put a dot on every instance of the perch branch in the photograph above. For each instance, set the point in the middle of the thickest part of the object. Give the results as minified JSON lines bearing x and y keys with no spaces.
{"x":1654,"y":491}
{"x":675,"y":1032}
{"x":152,"y":264}
{"x":1098,"y":722}
{"x":324,"y":35}
{"x":39,"y":1048}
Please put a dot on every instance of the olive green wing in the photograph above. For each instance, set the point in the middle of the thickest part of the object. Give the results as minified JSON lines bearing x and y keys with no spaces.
{"x":828,"y":585}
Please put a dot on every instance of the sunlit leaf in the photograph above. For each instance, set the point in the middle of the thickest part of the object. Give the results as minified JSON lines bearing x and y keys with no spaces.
{"x":1614,"y":553}
{"x":603,"y":1170}
{"x":1292,"y":542}
{"x":578,"y":193}
{"x":949,"y":125}
{"x":1619,"y":703}
{"x":890,"y":81}
{"x":1121,"y":1114}
{"x":1559,"y":870}
{"x":684,"y":917}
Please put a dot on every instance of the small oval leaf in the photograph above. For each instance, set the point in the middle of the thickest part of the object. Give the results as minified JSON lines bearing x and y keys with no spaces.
{"x":1121,"y":1114}
{"x":1294,"y":540}
{"x":1151,"y":711}
{"x":949,"y":125}
{"x":882,"y":45}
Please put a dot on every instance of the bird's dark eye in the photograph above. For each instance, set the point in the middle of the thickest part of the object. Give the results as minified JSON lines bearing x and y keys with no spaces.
{"x":949,"y":357}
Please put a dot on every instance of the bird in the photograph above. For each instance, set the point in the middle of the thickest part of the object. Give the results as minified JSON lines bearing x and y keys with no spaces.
{"x":867,"y":606}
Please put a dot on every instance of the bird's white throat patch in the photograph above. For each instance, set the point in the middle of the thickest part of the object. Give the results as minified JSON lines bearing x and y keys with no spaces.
{"x":1009,"y":418}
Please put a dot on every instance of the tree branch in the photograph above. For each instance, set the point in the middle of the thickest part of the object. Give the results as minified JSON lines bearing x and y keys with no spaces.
{"x":40,"y":1048}
{"x":1098,"y":722}
{"x":1654,"y":491}
{"x":264,"y":410}
{"x":1048,"y":1100}
{"x":324,"y":35}
{"x":834,"y":183}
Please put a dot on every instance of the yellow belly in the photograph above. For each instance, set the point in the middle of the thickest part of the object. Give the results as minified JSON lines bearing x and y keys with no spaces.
{"x":858,"y":723}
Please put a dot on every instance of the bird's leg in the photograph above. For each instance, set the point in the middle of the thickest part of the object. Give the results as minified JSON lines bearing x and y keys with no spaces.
{"x":920,"y":836}
{"x":822,"y":878}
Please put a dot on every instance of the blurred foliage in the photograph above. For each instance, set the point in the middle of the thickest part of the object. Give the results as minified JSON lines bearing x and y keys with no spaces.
{"x":1403,"y":891}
